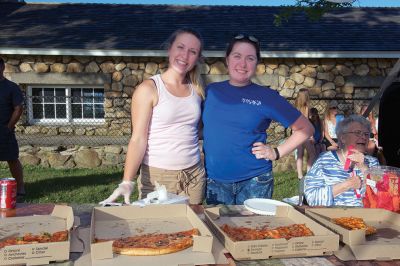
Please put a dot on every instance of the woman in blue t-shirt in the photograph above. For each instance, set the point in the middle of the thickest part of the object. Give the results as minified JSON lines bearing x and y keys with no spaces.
{"x":236,"y":115}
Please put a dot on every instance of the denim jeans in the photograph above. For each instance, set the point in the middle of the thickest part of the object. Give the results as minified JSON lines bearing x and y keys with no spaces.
{"x":236,"y":193}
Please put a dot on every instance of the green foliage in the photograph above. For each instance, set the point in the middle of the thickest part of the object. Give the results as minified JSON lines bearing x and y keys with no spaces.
{"x":314,"y":9}
{"x":79,"y":186}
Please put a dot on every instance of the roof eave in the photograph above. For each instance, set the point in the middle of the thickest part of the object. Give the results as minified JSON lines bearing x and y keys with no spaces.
{"x":162,"y":53}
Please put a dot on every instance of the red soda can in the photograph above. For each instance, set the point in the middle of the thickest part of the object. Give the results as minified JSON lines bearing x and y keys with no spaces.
{"x":8,"y":193}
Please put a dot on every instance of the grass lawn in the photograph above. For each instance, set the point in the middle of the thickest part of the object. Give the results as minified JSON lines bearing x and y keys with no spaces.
{"x":45,"y":185}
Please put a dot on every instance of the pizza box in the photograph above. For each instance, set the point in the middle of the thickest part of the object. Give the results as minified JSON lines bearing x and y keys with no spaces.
{"x":384,"y":245}
{"x":41,"y":253}
{"x":124,"y":221}
{"x":171,"y":199}
{"x":324,"y":242}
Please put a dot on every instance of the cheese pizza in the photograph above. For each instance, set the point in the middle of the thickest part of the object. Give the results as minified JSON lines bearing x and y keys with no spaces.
{"x":353,"y":223}
{"x":153,"y":244}
{"x":287,"y":232}
{"x":30,"y":238}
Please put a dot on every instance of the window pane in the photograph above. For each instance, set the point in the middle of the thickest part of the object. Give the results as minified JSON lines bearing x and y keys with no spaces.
{"x":87,"y":111}
{"x":60,"y":96}
{"x":87,"y":95}
{"x":98,"y":111}
{"x":37,"y":110}
{"x":76,"y":111}
{"x":76,"y":96}
{"x":61,"y":111}
{"x":87,"y":92}
{"x":37,"y":95}
{"x":48,"y":95}
{"x":49,"y":111}
{"x":98,"y":96}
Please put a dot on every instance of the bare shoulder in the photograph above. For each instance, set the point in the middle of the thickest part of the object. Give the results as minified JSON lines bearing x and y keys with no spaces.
{"x":147,"y":87}
{"x":146,"y":91}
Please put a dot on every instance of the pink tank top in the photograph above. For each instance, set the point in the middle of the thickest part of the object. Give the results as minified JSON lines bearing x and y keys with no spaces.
{"x":173,"y":142}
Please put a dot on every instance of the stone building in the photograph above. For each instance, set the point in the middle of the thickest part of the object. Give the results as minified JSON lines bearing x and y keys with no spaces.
{"x":78,"y":65}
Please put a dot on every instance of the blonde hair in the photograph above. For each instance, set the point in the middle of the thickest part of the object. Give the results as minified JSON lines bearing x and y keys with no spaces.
{"x":194,"y":74}
{"x":328,"y":110}
{"x":197,"y":81}
{"x":302,"y":101}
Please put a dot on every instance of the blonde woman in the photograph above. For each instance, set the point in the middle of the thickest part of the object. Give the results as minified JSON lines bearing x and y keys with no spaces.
{"x":373,"y":138}
{"x":166,"y":112}
{"x":330,"y":139}
{"x":302,"y":103}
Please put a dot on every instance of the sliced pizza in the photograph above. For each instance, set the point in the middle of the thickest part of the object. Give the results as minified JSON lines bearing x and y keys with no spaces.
{"x":354,"y":223}
{"x":153,"y":244}
{"x":29,"y":238}
{"x":244,"y":233}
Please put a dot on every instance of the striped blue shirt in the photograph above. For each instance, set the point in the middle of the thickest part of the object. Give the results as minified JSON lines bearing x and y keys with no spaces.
{"x":326,"y":172}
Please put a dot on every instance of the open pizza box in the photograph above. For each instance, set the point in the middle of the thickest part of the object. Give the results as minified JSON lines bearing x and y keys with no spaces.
{"x":324,"y":242}
{"x":384,"y":245}
{"x":124,"y":221}
{"x":40,"y":253}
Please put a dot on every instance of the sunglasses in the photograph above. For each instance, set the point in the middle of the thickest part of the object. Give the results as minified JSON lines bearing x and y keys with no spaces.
{"x":333,"y":107}
{"x":359,"y":133}
{"x":247,"y":37}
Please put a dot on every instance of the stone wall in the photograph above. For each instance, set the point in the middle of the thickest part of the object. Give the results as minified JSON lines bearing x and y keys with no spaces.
{"x":327,"y":78}
{"x":61,"y":157}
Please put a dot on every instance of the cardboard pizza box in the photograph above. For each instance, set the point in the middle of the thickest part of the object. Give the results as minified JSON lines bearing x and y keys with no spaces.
{"x":384,"y":245}
{"x":124,"y":221}
{"x":40,"y":253}
{"x":324,"y":242}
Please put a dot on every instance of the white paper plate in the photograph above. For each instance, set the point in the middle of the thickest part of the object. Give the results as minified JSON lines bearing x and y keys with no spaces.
{"x":263,"y":206}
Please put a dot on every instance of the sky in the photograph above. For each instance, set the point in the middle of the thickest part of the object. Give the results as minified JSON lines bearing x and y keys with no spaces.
{"x":357,"y":3}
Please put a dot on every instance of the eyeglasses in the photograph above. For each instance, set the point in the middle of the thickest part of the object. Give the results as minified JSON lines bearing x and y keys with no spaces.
{"x":333,"y":107}
{"x":359,"y":133}
{"x":247,"y":37}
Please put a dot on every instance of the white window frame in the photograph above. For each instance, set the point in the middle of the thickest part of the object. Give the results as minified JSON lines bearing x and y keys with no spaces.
{"x":69,"y":119}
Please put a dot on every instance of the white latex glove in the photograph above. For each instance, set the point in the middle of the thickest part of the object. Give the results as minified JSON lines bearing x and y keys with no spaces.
{"x":125,"y":188}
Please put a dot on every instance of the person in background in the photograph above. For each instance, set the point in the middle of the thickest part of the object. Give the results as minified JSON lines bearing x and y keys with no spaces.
{"x":373,"y":138}
{"x":302,"y":103}
{"x":328,"y":183}
{"x":11,"y":101}
{"x":166,"y":112}
{"x":236,"y":115}
{"x":330,"y":139}
{"x":318,"y":131}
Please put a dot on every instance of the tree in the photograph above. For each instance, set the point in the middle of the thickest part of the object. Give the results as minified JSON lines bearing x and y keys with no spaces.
{"x":314,"y":9}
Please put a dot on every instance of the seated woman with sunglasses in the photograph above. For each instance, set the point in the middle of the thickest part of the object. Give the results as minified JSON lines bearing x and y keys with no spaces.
{"x":328,"y":183}
{"x":236,"y":115}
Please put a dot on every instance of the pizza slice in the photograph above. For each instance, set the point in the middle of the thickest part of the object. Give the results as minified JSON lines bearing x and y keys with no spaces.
{"x":153,"y":244}
{"x":354,"y":223}
{"x":287,"y":232}
{"x":30,"y":238}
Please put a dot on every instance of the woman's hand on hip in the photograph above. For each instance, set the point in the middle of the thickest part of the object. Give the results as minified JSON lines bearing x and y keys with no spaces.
{"x":263,"y":151}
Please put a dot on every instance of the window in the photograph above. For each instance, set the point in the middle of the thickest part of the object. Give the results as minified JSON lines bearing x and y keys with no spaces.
{"x":59,"y":105}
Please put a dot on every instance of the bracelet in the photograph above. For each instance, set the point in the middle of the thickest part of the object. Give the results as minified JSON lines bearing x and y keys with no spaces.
{"x":277,"y":154}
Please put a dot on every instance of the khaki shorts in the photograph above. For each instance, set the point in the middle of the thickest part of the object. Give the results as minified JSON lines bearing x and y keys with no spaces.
{"x":190,"y":181}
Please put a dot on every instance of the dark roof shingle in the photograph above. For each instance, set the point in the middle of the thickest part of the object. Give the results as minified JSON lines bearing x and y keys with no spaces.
{"x":146,"y":27}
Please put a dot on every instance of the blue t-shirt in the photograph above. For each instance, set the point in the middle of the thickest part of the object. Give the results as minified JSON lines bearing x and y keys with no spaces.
{"x":234,"y":118}
{"x":10,"y":96}
{"x":317,"y":132}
